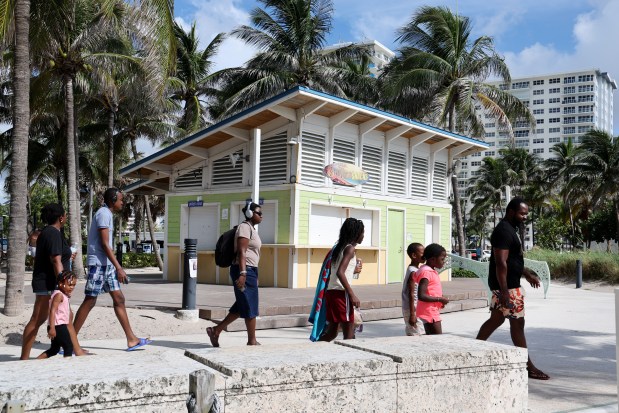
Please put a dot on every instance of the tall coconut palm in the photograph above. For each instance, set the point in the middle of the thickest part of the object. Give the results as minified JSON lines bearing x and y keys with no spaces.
{"x":193,"y":84}
{"x":291,"y":36}
{"x":598,"y":168}
{"x":18,"y":38}
{"x":439,"y":75}
{"x":523,"y":166}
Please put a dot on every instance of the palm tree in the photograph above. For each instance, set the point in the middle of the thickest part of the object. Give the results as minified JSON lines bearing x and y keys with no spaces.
{"x":438,"y":75}
{"x":598,"y":168}
{"x":14,"y":296}
{"x":523,"y":166}
{"x":489,"y":187}
{"x":291,"y":37}
{"x":192,"y":86}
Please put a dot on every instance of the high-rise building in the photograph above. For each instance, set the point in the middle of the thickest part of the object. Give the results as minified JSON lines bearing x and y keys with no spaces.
{"x":565,"y":106}
{"x":380,"y":54}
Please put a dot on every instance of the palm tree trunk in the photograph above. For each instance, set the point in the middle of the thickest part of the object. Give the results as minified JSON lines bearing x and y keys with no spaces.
{"x":58,"y":186}
{"x":151,"y":228}
{"x":110,"y":149}
{"x":72,"y":192}
{"x":151,"y":224}
{"x":14,"y":292}
{"x":456,"y":193}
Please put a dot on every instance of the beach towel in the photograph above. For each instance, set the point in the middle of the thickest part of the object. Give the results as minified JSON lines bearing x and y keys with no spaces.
{"x":318,"y":314}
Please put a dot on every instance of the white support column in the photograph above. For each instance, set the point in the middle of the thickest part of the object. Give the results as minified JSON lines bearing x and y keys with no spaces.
{"x":256,"y":138}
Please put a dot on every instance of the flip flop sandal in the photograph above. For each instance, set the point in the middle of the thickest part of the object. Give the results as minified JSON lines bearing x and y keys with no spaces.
{"x":210,"y":331}
{"x":143,"y":342}
{"x":537,"y":375}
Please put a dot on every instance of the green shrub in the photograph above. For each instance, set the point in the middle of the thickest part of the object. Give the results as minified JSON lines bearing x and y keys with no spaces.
{"x":138,"y":260}
{"x":462,"y":273}
{"x":596,"y":266}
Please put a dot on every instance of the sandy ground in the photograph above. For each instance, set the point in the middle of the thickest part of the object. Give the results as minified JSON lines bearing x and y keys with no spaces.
{"x":102,"y":325}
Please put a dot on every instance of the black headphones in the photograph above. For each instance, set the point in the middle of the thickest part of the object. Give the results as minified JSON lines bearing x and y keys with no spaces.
{"x":114,"y":197}
{"x":248,"y":212}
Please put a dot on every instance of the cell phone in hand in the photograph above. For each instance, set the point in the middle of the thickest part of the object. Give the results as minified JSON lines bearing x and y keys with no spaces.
{"x":127,"y":280}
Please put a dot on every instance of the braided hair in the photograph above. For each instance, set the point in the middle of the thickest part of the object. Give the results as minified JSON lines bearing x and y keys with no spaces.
{"x":65,"y":276}
{"x":351,"y":230}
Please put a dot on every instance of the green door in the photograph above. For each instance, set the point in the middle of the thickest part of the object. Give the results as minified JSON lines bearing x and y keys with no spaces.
{"x":395,"y":246}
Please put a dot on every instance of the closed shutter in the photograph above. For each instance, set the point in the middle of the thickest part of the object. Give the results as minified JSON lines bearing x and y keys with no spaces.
{"x":396,"y":173}
{"x":227,"y":170}
{"x":372,"y":164}
{"x":312,"y":158}
{"x":274,"y":159}
{"x":419,"y":177}
{"x":202,"y":225}
{"x":325,"y":223}
{"x":439,"y":181}
{"x":191,"y":179}
{"x":343,"y":151}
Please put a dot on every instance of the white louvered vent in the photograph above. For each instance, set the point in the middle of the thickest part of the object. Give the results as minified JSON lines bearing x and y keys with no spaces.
{"x":439,"y":181}
{"x":312,"y":158}
{"x":229,"y":169}
{"x":191,"y":179}
{"x":419,"y":177}
{"x":274,"y":159}
{"x":343,"y":151}
{"x":396,"y":173}
{"x":372,"y":164}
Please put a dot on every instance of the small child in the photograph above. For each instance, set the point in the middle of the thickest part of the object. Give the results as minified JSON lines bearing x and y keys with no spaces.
{"x":59,"y":314}
{"x":430,"y":292}
{"x":412,"y":326}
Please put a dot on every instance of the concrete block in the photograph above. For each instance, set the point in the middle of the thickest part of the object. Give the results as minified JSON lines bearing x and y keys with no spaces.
{"x":301,"y":377}
{"x":448,"y":373}
{"x":148,"y":380}
{"x":191,"y":316}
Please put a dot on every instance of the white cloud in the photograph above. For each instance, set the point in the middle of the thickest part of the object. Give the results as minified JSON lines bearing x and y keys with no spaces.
{"x":594,"y":35}
{"x":221,"y":16}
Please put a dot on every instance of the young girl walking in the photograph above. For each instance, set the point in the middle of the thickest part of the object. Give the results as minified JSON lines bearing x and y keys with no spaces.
{"x":412,"y":325}
{"x":340,"y":298}
{"x":59,"y":310}
{"x":430,"y":292}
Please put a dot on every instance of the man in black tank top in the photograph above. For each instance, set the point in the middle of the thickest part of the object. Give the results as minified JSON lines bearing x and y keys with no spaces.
{"x":506,"y":269}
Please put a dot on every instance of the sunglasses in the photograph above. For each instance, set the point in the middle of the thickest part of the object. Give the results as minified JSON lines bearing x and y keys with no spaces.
{"x":259,"y":213}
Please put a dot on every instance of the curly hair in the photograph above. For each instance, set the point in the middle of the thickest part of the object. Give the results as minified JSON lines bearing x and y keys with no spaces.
{"x":412,"y":248}
{"x":51,"y":213}
{"x":65,"y":276}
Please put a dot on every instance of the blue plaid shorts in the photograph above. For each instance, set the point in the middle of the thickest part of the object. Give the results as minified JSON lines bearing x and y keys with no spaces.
{"x":101,"y":278}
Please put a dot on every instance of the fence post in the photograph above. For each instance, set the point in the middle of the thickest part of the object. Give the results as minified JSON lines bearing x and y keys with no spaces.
{"x":578,"y":273}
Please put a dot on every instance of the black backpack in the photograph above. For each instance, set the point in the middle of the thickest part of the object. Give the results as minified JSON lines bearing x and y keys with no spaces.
{"x":224,"y":249}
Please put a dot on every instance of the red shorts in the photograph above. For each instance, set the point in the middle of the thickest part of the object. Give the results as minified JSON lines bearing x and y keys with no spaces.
{"x":339,"y":308}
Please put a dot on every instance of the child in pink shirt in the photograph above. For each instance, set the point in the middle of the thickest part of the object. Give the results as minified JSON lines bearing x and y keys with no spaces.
{"x":59,"y":316}
{"x":430,"y":293}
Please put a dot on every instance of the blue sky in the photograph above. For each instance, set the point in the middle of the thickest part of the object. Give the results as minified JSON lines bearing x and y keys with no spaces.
{"x":535,"y":36}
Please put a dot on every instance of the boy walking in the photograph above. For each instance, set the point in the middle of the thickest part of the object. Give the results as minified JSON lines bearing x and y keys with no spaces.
{"x":105,"y":273}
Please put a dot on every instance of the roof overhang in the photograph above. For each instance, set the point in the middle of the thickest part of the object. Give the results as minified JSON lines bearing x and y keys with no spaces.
{"x":154,"y":172}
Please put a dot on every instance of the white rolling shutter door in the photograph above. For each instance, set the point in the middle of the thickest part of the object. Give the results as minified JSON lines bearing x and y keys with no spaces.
{"x":202,"y":225}
{"x":324,"y":224}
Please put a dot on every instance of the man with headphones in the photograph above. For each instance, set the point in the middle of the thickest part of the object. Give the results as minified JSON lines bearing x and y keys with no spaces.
{"x":105,"y":273}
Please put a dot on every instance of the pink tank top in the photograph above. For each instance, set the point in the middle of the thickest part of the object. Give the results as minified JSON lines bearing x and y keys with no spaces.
{"x":63,"y":310}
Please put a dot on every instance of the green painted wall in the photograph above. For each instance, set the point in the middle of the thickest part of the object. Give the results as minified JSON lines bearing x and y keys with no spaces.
{"x":225,"y":201}
{"x":415,"y":215}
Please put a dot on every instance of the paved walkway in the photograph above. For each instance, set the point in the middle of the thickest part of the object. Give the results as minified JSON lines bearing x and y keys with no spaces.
{"x":571,"y":335}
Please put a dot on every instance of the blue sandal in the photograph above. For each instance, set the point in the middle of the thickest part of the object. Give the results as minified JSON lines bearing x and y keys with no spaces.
{"x":141,"y":343}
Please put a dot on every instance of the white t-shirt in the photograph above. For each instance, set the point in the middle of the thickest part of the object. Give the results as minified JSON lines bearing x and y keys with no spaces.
{"x":405,"y":295}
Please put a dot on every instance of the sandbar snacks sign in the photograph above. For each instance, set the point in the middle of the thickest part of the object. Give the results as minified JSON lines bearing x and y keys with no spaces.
{"x":346,"y":174}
